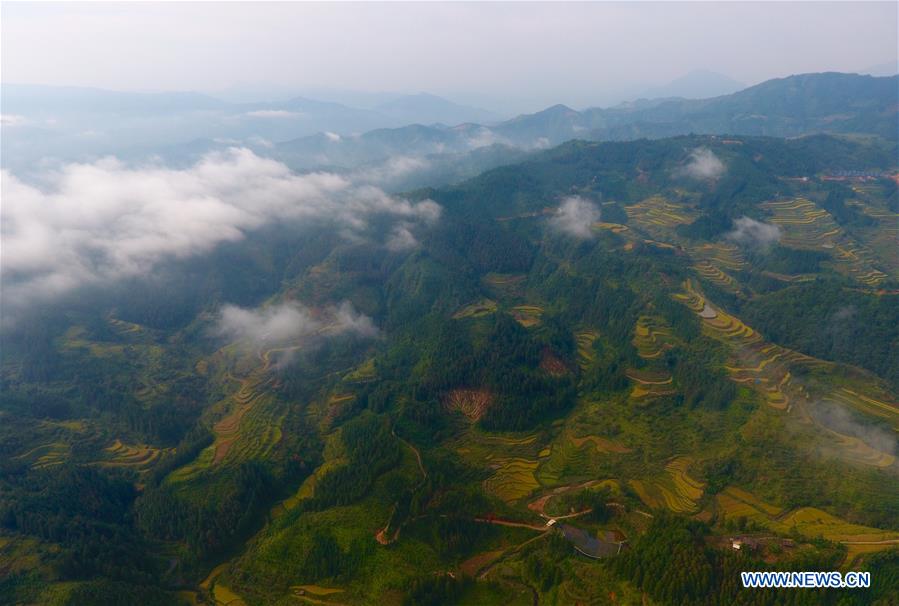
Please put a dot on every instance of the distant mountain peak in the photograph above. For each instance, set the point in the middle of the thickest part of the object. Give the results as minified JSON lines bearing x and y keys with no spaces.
{"x":697,"y":84}
{"x":428,"y":108}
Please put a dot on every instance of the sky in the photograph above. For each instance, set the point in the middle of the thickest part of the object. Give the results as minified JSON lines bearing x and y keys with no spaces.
{"x":495,"y":54}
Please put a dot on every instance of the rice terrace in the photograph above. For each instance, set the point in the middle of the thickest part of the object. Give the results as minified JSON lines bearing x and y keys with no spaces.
{"x":281,"y":326}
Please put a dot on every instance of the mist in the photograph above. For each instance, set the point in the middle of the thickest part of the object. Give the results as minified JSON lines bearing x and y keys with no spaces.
{"x":703,"y":164}
{"x":89,"y":224}
{"x":280,"y":50}
{"x":575,"y":218}
{"x":752,"y":233}
{"x":290,"y":323}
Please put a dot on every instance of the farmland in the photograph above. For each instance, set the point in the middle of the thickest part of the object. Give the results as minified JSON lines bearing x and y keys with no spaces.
{"x":807,"y":226}
{"x":652,"y":378}
{"x":675,"y":490}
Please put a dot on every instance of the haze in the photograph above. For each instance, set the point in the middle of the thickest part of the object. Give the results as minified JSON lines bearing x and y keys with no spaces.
{"x":508,"y":57}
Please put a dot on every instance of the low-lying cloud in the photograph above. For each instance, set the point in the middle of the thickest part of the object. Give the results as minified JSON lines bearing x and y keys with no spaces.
{"x":12,"y":120}
{"x":575,"y":217}
{"x":290,"y":324}
{"x":88,"y":223}
{"x":749,"y":232}
{"x":838,"y":419}
{"x":703,"y":164}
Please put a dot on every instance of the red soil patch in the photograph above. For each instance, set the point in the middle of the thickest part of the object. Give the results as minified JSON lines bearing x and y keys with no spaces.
{"x":470,"y":402}
{"x":221,"y":450}
{"x":552,"y":365}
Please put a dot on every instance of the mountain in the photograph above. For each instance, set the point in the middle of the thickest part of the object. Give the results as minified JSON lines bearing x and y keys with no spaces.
{"x":553,"y":124}
{"x":784,"y":107}
{"x":585,"y":375}
{"x":428,"y":109}
{"x":787,"y":107}
{"x":698,"y":84}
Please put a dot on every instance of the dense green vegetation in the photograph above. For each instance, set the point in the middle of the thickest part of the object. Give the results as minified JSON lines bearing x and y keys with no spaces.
{"x":633,"y":379}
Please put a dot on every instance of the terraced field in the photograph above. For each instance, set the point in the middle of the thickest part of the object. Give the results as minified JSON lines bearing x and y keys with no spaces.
{"x":710,"y":272}
{"x":807,"y":226}
{"x":882,"y":238}
{"x":650,"y":383}
{"x":484,"y":307}
{"x":756,"y":363}
{"x":139,"y":457}
{"x":768,"y":369}
{"x":615,"y":228}
{"x":652,"y":337}
{"x":657,"y":216}
{"x":46,"y":455}
{"x":715,"y":322}
{"x":513,"y":479}
{"x":250,"y":429}
{"x":867,"y":399}
{"x":809,"y":522}
{"x":506,"y":285}
{"x":674,"y":490}
{"x":527,"y":315}
{"x":569,"y":457}
{"x":720,"y":254}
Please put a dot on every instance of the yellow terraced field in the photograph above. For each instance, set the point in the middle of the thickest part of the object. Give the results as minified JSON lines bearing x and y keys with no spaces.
{"x":810,"y":522}
{"x":46,"y":455}
{"x":724,"y":255}
{"x":513,"y":479}
{"x":658,"y":216}
{"x":714,"y":275}
{"x":648,"y":376}
{"x":138,"y":456}
{"x":615,"y":228}
{"x":860,"y":452}
{"x":527,"y":315}
{"x":483,"y":307}
{"x":807,"y":226}
{"x":763,"y":366}
{"x":652,"y":336}
{"x":675,"y":490}
{"x":875,"y":403}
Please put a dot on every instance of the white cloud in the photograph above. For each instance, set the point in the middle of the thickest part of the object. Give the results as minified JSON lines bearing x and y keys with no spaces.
{"x":106,"y":220}
{"x":332,"y":136}
{"x":401,"y":238}
{"x":750,"y":232}
{"x":273,"y":113}
{"x":397,"y":167}
{"x":575,"y":216}
{"x":290,"y":323}
{"x":12,"y":120}
{"x":840,"y":420}
{"x":703,"y":164}
{"x":484,"y":137}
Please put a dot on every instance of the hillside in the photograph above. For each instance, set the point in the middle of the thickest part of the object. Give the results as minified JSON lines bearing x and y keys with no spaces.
{"x":579,"y":381}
